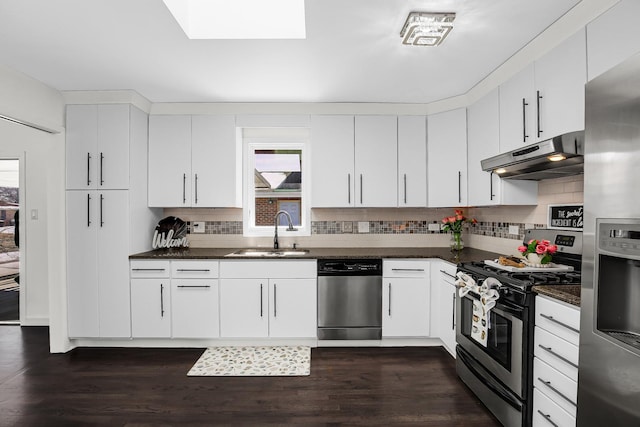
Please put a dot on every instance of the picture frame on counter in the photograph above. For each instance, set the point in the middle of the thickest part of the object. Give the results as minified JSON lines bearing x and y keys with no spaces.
{"x":566,"y":217}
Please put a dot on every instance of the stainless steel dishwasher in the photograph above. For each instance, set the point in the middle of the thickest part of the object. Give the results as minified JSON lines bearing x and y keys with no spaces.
{"x":350,"y":299}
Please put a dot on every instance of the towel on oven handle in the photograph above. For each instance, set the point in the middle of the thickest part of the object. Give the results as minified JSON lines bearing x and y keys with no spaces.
{"x":488,"y":292}
{"x":466,"y":284}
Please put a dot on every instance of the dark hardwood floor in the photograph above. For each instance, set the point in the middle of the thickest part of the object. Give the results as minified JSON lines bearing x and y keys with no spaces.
{"x":149,"y":387}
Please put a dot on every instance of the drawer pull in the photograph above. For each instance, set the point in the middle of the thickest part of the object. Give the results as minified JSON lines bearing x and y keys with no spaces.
{"x":205,"y":270}
{"x":550,"y":318}
{"x":147,"y":269}
{"x":194,"y":286}
{"x":548,"y":418}
{"x":552,"y":388}
{"x":408,"y":269}
{"x":564,"y":359}
{"x":450,"y":275}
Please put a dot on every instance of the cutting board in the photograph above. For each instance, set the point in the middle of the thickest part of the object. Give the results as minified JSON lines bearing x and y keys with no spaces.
{"x":553,"y":268}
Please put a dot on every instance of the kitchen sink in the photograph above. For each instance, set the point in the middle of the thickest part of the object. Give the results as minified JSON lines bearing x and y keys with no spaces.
{"x":268,"y":253}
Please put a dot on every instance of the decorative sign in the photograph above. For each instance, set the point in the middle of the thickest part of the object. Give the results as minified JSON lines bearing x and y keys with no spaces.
{"x":171,"y":232}
{"x":566,"y":217}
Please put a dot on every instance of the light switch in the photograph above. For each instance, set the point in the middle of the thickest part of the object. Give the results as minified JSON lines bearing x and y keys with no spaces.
{"x":197,"y":227}
{"x":434,"y":226}
{"x":363,"y":226}
{"x":514,"y":229}
{"x":34,"y":214}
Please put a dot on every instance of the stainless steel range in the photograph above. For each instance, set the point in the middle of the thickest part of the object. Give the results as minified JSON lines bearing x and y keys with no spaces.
{"x":499,"y":369}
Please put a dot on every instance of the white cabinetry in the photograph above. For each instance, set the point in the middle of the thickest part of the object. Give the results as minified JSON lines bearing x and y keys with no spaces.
{"x":268,"y":299}
{"x":101,"y":222}
{"x":192,"y":161}
{"x":555,"y":371}
{"x":150,"y":299}
{"x":444,"y":303}
{"x":406,"y":298}
{"x":486,"y":188}
{"x":97,"y":147}
{"x":412,"y":161}
{"x":447,"y":158}
{"x":545,"y":99}
{"x":613,"y":37}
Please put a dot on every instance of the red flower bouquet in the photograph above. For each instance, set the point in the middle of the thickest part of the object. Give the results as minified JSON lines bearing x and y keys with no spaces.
{"x":543,"y":248}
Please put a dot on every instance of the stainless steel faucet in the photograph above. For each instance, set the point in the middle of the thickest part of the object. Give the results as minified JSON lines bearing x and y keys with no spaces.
{"x":290,"y":228}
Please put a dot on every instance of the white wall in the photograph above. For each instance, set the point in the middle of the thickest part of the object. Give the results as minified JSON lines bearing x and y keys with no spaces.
{"x":43,"y":161}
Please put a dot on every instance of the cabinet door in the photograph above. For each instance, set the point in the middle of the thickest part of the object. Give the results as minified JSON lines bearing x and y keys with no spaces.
{"x":112,"y":223}
{"x":81,"y":146}
{"x":244,"y":310}
{"x":560,"y":76}
{"x":444,"y":301}
{"x":376,"y":164}
{"x":447,"y":158}
{"x":412,"y":161}
{"x":112,"y":157}
{"x":194,"y":308}
{"x":169,"y":161}
{"x":150,"y":308}
{"x":82,"y":258}
{"x":518,"y":111}
{"x":405,"y":307}
{"x":292,"y":308}
{"x":214,"y":159}
{"x":332,"y":161}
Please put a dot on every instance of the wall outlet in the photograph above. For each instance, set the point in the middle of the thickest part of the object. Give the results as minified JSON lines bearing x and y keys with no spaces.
{"x":514,"y":229}
{"x":197,"y":227}
{"x":363,"y":226}
{"x":347,"y":226}
{"x":433,"y":227}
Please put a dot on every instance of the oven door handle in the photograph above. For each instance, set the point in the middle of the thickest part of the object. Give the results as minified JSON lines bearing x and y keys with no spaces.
{"x":504,"y":308}
{"x":487,"y":380}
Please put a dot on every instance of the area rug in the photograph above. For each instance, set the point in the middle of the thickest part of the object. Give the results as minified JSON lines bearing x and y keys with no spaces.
{"x":253,"y":361}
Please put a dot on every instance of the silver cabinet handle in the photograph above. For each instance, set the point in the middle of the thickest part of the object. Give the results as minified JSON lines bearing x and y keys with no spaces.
{"x":459,"y":187}
{"x":564,"y":359}
{"x":184,"y":188}
{"x":491,"y":195}
{"x":453,"y":315}
{"x":349,"y":188}
{"x":196,"y":188}
{"x":407,"y":269}
{"x":161,"y":300}
{"x":405,"y":188}
{"x":101,"y":161}
{"x":539,"y":97}
{"x":389,"y":299}
{"x":524,"y":120}
{"x":550,"y":318}
{"x":275,"y":300}
{"x":101,"y":210}
{"x":88,"y":169}
{"x":450,"y":275}
{"x":548,"y":418}
{"x":203,"y":270}
{"x":361,"y":189}
{"x":548,"y":384}
{"x":147,"y":269}
{"x":194,"y":286}
{"x":261,"y":312}
{"x":88,"y":210}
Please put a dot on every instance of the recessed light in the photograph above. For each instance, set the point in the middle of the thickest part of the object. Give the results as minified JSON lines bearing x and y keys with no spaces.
{"x":240,"y":19}
{"x":426,"y":28}
{"x":556,"y":157}
{"x":499,"y":171}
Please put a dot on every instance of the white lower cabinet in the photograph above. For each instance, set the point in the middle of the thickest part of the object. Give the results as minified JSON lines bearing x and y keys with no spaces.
{"x":276,"y":299}
{"x":406,"y":298}
{"x":444,"y":303}
{"x":555,"y":365}
{"x":151,"y":308}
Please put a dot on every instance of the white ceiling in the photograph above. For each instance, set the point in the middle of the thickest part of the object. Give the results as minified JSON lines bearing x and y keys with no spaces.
{"x":352,"y":53}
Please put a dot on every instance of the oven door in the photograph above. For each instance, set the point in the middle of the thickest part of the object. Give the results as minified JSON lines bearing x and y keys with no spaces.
{"x":503,"y":355}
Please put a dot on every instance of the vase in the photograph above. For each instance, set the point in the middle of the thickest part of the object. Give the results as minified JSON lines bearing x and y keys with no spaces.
{"x":535,"y":260}
{"x":456,"y":242}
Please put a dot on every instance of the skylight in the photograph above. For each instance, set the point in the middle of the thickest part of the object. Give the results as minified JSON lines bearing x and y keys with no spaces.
{"x":240,"y":19}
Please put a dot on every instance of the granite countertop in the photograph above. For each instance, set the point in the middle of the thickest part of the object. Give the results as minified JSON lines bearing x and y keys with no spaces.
{"x":466,"y":255}
{"x":566,"y":293}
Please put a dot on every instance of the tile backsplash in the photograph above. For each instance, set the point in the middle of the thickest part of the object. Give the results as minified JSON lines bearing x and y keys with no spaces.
{"x":392,"y":227}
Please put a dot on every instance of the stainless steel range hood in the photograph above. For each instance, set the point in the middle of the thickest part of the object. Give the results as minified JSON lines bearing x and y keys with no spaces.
{"x":553,"y":158}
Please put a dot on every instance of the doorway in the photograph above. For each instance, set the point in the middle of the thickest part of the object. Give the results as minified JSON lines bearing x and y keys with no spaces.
{"x":9,"y":241}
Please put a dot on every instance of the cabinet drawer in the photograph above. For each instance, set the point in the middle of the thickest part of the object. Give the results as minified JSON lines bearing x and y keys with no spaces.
{"x":194,"y":269}
{"x":405,"y":268}
{"x":559,"y":319}
{"x":556,"y":352}
{"x":269,"y":269}
{"x":547,"y":414}
{"x":141,"y":269}
{"x":557,"y":386}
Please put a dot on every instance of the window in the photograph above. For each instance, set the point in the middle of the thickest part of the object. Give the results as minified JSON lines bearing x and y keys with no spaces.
{"x":276,"y":179}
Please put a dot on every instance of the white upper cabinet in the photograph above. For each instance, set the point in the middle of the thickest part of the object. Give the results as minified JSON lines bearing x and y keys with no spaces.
{"x":613,"y":37}
{"x":376,"y":165}
{"x":97,"y":147}
{"x":545,"y":99}
{"x":447,"y":158}
{"x":192,"y":161}
{"x":412,"y":161}
{"x":332,"y":161}
{"x":486,"y":188}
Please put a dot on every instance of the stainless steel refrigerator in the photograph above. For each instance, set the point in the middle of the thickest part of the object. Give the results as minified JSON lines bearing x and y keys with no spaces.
{"x":609,"y":368}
